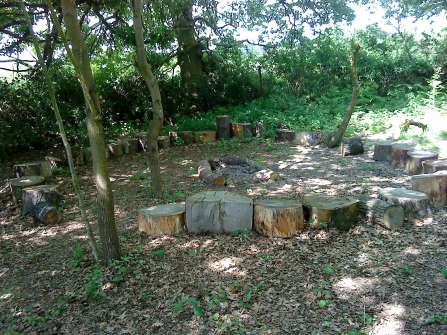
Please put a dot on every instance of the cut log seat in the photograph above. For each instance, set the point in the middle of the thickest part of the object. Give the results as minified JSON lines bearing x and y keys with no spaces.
{"x":415,"y":204}
{"x":399,"y":154}
{"x":162,"y":219}
{"x":382,"y":151}
{"x":434,"y":185}
{"x":415,"y":159}
{"x":18,"y":184}
{"x":223,"y":124}
{"x":434,"y":166}
{"x":381,"y":212}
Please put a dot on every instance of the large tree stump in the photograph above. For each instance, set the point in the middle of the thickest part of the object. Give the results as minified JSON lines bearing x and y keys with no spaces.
{"x":163,"y":142}
{"x":18,"y":184}
{"x":42,"y":193}
{"x":130,"y":145}
{"x":207,"y":174}
{"x":336,"y":211}
{"x":399,"y":154}
{"x":42,"y":168}
{"x":415,"y":159}
{"x":381,"y":212}
{"x":162,"y":219}
{"x":218,"y":212}
{"x":285,"y":135}
{"x":278,"y":218}
{"x":241,"y":130}
{"x":433,"y":185}
{"x":382,"y":151}
{"x":46,"y":213}
{"x":115,"y":149}
{"x":434,"y":166}
{"x":205,"y":136}
{"x":415,"y":204}
{"x":352,"y":146}
{"x":223,"y":124}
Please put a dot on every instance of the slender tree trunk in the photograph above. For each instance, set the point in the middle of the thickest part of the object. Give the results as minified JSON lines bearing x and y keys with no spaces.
{"x":152,"y":85}
{"x":336,"y":138}
{"x":190,"y":58}
{"x":60,"y":124}
{"x":106,"y":218}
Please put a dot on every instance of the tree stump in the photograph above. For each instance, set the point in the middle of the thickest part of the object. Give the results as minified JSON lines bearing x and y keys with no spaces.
{"x":434,"y":166}
{"x":42,"y":193}
{"x":162,"y":219}
{"x":187,"y":136}
{"x":415,"y":204}
{"x":218,"y":212}
{"x":352,"y":146}
{"x":46,"y":213}
{"x":54,"y":162}
{"x":381,"y":212}
{"x":337,"y":211}
{"x":382,"y":151}
{"x":18,"y":184}
{"x":223,"y":124}
{"x":116,"y":149}
{"x":33,"y":169}
{"x":241,"y":130}
{"x":278,"y":218}
{"x":415,"y":159}
{"x":204,"y":136}
{"x":261,"y":127}
{"x":130,"y":145}
{"x":285,"y":135}
{"x":433,"y":185}
{"x":173,"y":138}
{"x":141,"y":137}
{"x":163,"y":142}
{"x":207,"y":174}
{"x":399,"y":154}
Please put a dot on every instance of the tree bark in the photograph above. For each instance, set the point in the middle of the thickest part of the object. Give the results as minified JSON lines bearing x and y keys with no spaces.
{"x":106,"y":218}
{"x":152,"y":84}
{"x":336,"y":138}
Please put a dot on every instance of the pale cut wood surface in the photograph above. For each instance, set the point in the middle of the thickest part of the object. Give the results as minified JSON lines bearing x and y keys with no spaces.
{"x":162,"y":219}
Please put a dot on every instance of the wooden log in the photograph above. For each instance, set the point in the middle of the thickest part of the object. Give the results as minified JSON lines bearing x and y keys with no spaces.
{"x":336,"y":211}
{"x":434,"y":185}
{"x":415,"y":159}
{"x":47,"y":213}
{"x":381,"y":212}
{"x":382,"y":151}
{"x":162,"y":219}
{"x":218,"y":212}
{"x":233,"y":160}
{"x":434,"y":166}
{"x":141,"y":137}
{"x":415,"y":204}
{"x":130,"y":145}
{"x":278,"y":218}
{"x":116,"y":149}
{"x":28,"y":169}
{"x":261,"y":128}
{"x":42,"y":193}
{"x":204,"y":136}
{"x":163,"y":142}
{"x":285,"y":135}
{"x":18,"y":184}
{"x":223,"y":124}
{"x":187,"y":136}
{"x":399,"y":154}
{"x":241,"y":130}
{"x":207,"y":175}
{"x":352,"y":146}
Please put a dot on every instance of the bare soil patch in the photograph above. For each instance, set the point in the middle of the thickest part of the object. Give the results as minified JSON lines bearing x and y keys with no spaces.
{"x":365,"y":281}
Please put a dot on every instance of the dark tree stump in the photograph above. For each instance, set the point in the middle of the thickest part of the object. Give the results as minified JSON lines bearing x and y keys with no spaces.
{"x":18,"y":184}
{"x":116,"y":149}
{"x":43,"y":193}
{"x":162,"y":219}
{"x":381,"y":212}
{"x":352,"y":146}
{"x":173,"y":138}
{"x":278,"y":218}
{"x":382,"y":151}
{"x":46,"y":213}
{"x":415,"y":159}
{"x":163,"y":142}
{"x":141,"y":137}
{"x":261,"y":127}
{"x":187,"y":136}
{"x":241,"y":130}
{"x":207,"y":174}
{"x":223,"y":125}
{"x":28,"y":169}
{"x":415,"y":204}
{"x":336,"y":211}
{"x":433,"y":185}
{"x":285,"y":135}
{"x":434,"y":166}
{"x":205,"y":136}
{"x":399,"y":154}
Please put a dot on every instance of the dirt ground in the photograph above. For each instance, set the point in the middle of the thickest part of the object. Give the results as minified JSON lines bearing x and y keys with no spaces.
{"x":322,"y":281}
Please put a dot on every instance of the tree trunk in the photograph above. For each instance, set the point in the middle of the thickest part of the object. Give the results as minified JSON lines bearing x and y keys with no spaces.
{"x":335,"y":140}
{"x":152,"y":85}
{"x":106,"y":216}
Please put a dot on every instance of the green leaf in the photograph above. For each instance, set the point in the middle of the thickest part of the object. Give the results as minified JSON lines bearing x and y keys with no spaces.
{"x":444,"y":272}
{"x":328,"y":270}
{"x":323,"y":303}
{"x":214,"y":317}
{"x":198,"y":311}
{"x":178,"y":306}
{"x":193,"y":252}
{"x":235,"y":232}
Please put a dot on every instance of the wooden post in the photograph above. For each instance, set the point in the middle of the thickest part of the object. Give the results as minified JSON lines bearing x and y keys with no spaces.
{"x":433,"y":185}
{"x":18,"y":184}
{"x":223,"y":124}
{"x":352,"y":146}
{"x":399,"y":154}
{"x":162,"y":219}
{"x":415,"y":159}
{"x":381,"y":212}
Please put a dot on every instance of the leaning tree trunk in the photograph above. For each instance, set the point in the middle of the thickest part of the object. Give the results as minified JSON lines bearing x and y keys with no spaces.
{"x":152,"y":85}
{"x":106,"y":216}
{"x":336,"y":138}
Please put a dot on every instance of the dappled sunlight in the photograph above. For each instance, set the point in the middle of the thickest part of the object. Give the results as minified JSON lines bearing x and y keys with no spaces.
{"x":412,"y":251}
{"x":227,"y":265}
{"x":392,"y":320}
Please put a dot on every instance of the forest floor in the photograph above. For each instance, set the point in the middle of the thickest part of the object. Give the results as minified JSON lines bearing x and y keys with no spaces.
{"x":322,"y":281}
